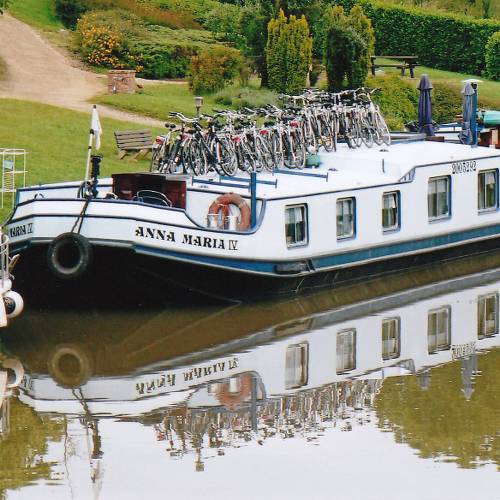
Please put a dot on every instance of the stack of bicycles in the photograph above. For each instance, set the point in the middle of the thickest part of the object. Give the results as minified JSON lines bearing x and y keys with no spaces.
{"x":233,"y":140}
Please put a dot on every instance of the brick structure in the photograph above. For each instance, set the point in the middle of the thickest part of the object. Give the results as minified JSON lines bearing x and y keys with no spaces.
{"x":121,"y":81}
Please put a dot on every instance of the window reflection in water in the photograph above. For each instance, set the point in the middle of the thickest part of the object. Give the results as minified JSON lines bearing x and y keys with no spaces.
{"x":296,"y":365}
{"x":346,"y":350}
{"x":487,"y":315}
{"x":438,"y":329}
{"x":391,"y":338}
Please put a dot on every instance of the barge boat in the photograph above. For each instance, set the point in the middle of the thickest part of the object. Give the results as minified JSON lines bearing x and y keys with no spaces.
{"x":360,"y":213}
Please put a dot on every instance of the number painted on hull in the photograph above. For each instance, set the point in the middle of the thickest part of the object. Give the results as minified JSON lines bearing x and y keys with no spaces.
{"x":462,"y":167}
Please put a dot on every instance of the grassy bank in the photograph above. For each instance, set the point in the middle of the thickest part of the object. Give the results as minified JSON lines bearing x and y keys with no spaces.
{"x":489,"y":91}
{"x":56,"y":141}
{"x":158,"y":100}
{"x":37,"y":13}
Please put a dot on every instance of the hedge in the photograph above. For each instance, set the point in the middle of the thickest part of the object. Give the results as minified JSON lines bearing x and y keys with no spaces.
{"x":493,"y":57}
{"x":440,"y":40}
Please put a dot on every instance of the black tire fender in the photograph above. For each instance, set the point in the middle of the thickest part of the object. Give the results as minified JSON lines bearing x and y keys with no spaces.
{"x":70,"y":365}
{"x":69,"y":256}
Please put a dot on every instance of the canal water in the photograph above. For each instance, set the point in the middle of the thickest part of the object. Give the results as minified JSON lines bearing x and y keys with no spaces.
{"x":386,"y":389}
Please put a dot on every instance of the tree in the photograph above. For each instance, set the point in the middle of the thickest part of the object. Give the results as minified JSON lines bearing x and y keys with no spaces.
{"x":486,"y":9}
{"x":345,"y":48}
{"x":253,"y":23}
{"x":346,"y":42}
{"x":288,"y":53}
{"x":69,"y":11}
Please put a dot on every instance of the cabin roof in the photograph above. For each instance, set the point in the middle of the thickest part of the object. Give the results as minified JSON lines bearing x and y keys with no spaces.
{"x":347,"y":168}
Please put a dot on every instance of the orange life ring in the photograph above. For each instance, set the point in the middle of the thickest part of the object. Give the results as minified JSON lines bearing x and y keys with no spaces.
{"x":221,"y":204}
{"x":231,"y":399}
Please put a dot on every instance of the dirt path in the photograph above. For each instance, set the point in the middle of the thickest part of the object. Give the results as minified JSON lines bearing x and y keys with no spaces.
{"x":36,"y":71}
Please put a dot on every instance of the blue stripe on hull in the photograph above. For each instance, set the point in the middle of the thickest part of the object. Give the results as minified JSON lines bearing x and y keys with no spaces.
{"x":331,"y":261}
{"x":401,"y":249}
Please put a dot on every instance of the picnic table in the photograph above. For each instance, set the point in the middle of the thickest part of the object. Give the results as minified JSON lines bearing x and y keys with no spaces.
{"x":401,"y":62}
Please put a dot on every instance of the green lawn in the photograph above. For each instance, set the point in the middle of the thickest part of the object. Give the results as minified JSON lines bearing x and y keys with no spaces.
{"x":158,"y":100}
{"x":489,"y":91}
{"x":38,"y":13}
{"x":56,"y":141}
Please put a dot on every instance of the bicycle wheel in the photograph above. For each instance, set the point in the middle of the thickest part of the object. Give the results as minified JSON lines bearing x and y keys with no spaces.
{"x":265,"y":155}
{"x":156,"y":155}
{"x":383,"y":130}
{"x":194,"y":158}
{"x":278,"y":150}
{"x":377,"y":135}
{"x":326,"y":135}
{"x":295,"y":150}
{"x":309,"y":136}
{"x":172,"y":159}
{"x":366,"y":134}
{"x":225,"y":156}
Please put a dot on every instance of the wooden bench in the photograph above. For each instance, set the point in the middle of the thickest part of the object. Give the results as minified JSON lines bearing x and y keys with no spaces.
{"x":402,"y":62}
{"x":139,"y":142}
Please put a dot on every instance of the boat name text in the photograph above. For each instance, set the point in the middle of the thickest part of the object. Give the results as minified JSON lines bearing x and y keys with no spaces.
{"x":21,"y":230}
{"x":186,"y":239}
{"x":188,"y":376}
{"x":461,"y":167}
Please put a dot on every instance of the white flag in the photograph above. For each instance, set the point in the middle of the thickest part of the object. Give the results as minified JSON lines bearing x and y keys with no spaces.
{"x":96,"y":127}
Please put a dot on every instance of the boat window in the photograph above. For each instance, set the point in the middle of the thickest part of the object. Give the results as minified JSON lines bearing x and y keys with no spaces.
{"x":345,"y":218}
{"x":296,"y":365}
{"x":438,"y":197}
{"x":296,"y":225}
{"x":391,"y":338}
{"x":487,"y":315}
{"x":438,"y":330}
{"x":390,"y":211}
{"x":487,"y":190}
{"x":346,"y":350}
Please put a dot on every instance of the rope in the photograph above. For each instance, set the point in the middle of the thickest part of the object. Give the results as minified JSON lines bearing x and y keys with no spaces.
{"x":81,"y":216}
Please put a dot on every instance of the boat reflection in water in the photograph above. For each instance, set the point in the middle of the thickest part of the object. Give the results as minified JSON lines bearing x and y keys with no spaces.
{"x":11,"y":375}
{"x":206,"y":380}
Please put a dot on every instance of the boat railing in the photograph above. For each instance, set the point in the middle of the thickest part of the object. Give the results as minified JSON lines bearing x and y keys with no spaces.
{"x":4,"y":259}
{"x":234,"y":182}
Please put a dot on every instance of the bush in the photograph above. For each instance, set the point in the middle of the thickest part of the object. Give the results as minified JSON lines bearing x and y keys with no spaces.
{"x":440,"y":40}
{"x":245,"y":97}
{"x":162,"y":60}
{"x":214,"y":68}
{"x":69,"y":11}
{"x":344,"y":49}
{"x":493,"y":57}
{"x":104,"y":37}
{"x":288,"y":53}
{"x":398,"y":100}
{"x":253,"y":22}
{"x":151,"y":13}
{"x":346,"y":43}
{"x":119,"y":39}
{"x":446,"y":103}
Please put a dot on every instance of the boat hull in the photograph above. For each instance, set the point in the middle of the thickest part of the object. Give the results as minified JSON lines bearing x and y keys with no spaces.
{"x":117,"y":274}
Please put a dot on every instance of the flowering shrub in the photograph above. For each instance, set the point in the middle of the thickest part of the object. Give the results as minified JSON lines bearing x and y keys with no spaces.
{"x":213,"y":68}
{"x":104,"y":39}
{"x":102,"y":46}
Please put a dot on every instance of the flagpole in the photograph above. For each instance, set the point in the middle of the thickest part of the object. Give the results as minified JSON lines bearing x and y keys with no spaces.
{"x":89,"y":148}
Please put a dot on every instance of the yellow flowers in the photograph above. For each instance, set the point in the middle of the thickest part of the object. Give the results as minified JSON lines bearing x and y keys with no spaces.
{"x":101,"y":46}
